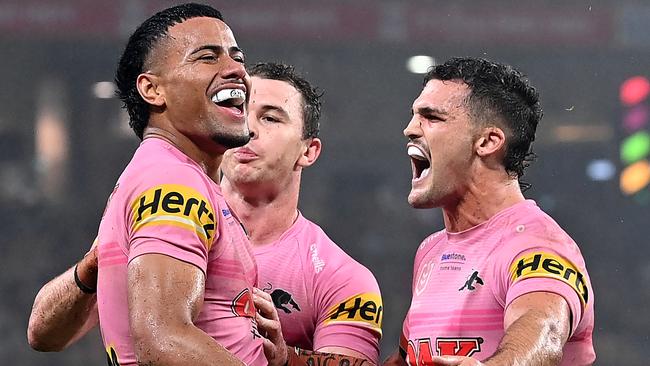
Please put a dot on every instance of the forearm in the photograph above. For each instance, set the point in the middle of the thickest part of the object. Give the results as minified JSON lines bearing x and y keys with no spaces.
{"x":298,"y":356}
{"x":61,"y":314}
{"x":532,"y":340}
{"x":181,"y":345}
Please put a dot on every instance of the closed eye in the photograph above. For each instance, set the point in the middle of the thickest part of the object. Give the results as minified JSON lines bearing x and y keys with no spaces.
{"x":269,"y":119}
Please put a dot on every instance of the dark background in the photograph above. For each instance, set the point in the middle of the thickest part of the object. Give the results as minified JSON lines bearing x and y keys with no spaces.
{"x":62,"y":147}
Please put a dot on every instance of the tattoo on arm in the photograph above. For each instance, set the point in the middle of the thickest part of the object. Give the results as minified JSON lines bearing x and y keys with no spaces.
{"x":313,"y":358}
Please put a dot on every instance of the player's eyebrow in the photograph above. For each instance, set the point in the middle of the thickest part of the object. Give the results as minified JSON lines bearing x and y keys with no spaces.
{"x":275,"y":108}
{"x":429,"y":111}
{"x":216,"y":49}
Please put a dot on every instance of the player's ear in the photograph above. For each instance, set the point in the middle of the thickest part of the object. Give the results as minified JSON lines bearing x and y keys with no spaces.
{"x":149,"y":89}
{"x":490,"y":140}
{"x":311,"y":152}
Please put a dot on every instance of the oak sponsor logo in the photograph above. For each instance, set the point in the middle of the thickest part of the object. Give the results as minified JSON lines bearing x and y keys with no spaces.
{"x":420,"y":352}
{"x":458,"y":346}
{"x":365,"y":309}
{"x":176,"y":205}
{"x":541,"y":264}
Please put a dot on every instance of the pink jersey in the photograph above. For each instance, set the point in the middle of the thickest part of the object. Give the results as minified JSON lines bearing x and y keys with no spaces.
{"x":323,"y":296}
{"x":462,"y":282}
{"x":164,"y":204}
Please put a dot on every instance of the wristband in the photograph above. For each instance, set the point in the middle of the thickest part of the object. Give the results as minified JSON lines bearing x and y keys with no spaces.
{"x":85,"y":289}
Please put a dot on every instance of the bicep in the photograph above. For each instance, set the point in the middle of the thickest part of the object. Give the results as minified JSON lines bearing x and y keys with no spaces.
{"x":543,"y":308}
{"x":163,"y":292}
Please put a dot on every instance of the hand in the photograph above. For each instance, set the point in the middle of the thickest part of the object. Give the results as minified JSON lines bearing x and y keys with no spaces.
{"x":268,"y":322}
{"x":456,"y":361}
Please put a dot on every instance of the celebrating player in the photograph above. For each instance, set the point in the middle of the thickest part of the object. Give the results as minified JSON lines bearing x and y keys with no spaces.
{"x":502,"y":284}
{"x":326,"y":301}
{"x":176,"y":271}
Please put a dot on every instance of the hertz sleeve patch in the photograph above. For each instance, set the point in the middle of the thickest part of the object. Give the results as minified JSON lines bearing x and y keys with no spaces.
{"x":365,"y":309}
{"x":175,"y":205}
{"x":540,"y":264}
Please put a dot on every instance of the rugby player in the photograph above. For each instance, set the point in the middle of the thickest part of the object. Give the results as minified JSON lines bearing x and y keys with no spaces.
{"x":175,"y":269}
{"x":502,"y":283}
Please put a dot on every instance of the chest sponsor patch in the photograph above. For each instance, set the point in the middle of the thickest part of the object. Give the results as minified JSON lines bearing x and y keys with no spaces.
{"x":364,"y":309}
{"x":548,"y":265}
{"x":175,"y":205}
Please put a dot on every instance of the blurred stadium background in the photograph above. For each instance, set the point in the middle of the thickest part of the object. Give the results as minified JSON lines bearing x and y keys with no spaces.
{"x":64,"y":139}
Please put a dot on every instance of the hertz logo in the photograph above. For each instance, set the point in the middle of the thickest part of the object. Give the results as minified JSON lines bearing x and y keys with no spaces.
{"x":176,"y":205}
{"x":366,"y":308}
{"x":551,"y":266}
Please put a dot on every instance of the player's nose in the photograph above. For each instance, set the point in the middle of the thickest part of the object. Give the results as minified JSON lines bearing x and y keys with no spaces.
{"x":413,"y":129}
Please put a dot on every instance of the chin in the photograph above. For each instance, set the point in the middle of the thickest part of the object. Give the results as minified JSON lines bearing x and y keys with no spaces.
{"x":231,"y":141}
{"x":420,"y":201}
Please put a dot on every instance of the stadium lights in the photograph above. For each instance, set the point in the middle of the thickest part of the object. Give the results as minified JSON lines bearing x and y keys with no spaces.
{"x":420,"y":64}
{"x":104,"y":89}
{"x":634,"y":179}
{"x":601,"y":170}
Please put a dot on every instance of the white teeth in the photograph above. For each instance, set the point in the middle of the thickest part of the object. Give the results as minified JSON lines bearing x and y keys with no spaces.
{"x":237,"y":96}
{"x":416,"y":153}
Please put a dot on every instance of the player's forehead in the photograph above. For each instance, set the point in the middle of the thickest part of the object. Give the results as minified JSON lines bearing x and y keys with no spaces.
{"x":201,"y":31}
{"x":444,"y":95}
{"x":275,"y":93}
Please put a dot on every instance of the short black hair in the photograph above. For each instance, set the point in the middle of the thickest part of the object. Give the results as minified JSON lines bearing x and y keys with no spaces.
{"x":138,"y":50}
{"x":311,"y":103}
{"x":498,"y":94}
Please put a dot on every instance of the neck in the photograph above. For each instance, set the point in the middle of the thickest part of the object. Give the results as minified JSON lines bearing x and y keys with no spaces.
{"x":208,"y":161}
{"x":266,"y":210}
{"x":484,"y":197}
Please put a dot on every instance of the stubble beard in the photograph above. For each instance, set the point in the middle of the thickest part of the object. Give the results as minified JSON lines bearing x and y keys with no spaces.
{"x":232,"y":140}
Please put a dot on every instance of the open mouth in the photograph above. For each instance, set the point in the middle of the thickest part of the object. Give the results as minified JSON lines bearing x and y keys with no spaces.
{"x":420,"y":163}
{"x":232,"y":99}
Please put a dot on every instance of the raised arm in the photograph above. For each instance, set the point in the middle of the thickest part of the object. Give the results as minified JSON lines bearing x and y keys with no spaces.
{"x":62,"y":312}
{"x":165,"y":296}
{"x":537,"y":327}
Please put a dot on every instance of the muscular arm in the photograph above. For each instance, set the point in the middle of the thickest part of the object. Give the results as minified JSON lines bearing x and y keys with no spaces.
{"x":165,"y":295}
{"x":537,"y":327}
{"x":62,"y":313}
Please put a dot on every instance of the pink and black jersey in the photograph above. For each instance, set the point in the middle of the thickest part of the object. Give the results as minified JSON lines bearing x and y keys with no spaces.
{"x":463,"y":282}
{"x":323,"y":296}
{"x":163,"y":203}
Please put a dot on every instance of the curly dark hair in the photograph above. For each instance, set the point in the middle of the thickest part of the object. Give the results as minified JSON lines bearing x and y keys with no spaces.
{"x":311,"y":103}
{"x":501,"y":94}
{"x":138,"y":50}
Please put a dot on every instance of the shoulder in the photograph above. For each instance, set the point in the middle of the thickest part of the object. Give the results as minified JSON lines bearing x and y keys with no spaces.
{"x":323,"y":253}
{"x":331,"y":269}
{"x":158,"y":166}
{"x":427,"y":245}
{"x":532,"y":228}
